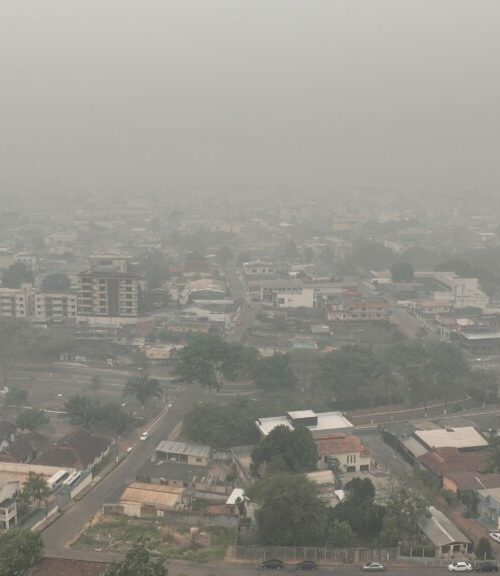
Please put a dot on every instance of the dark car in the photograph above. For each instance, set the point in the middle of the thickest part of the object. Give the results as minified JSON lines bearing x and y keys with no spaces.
{"x":306,"y":565}
{"x":273,"y":564}
{"x":486,"y":566}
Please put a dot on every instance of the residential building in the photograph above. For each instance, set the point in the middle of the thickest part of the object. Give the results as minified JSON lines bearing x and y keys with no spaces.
{"x":449,"y":542}
{"x":146,"y":499}
{"x":16,"y":302}
{"x":358,"y":310}
{"x":8,"y":506}
{"x":317,"y":423}
{"x":266,"y":290}
{"x":55,"y":307}
{"x":295,"y":299}
{"x":348,"y":450}
{"x":29,"y":260}
{"x":261,"y":269}
{"x":183,"y":452}
{"x":489,"y":507}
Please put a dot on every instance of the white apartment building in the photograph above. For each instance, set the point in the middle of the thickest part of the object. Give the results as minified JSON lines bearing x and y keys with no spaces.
{"x":8,"y":506}
{"x":29,"y":260}
{"x":55,"y":306}
{"x":16,"y":302}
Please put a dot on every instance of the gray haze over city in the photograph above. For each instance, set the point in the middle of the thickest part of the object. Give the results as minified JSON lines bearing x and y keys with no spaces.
{"x":249,"y":97}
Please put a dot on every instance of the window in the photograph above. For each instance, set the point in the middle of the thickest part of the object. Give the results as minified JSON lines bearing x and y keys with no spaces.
{"x":199,"y":459}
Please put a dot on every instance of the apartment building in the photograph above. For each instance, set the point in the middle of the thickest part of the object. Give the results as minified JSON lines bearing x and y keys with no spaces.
{"x":358,"y":309}
{"x":8,"y":506}
{"x":55,"y":307}
{"x":108,"y":289}
{"x":16,"y":302}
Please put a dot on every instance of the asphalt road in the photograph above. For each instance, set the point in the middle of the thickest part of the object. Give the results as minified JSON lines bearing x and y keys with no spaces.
{"x":67,"y":527}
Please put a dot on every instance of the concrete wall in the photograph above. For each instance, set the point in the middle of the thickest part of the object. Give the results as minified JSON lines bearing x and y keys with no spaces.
{"x":18,"y":468}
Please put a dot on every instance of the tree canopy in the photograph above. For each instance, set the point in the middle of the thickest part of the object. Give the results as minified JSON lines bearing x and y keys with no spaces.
{"x":15,"y":275}
{"x":19,"y":550}
{"x":56,"y":282}
{"x":222,"y":425}
{"x":89,"y":413}
{"x":291,"y":513}
{"x":286,"y":450}
{"x":32,"y":419}
{"x":36,"y":490}
{"x":143,"y":388}
{"x":402,"y":272}
{"x":274,"y":373}
{"x":138,"y":560}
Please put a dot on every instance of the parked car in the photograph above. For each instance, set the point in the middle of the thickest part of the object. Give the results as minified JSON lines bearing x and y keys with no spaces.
{"x":373,"y":567}
{"x":495,"y":536}
{"x":306,"y":565}
{"x":486,"y":566}
{"x":144,"y":436}
{"x":460,"y":567}
{"x":273,"y":564}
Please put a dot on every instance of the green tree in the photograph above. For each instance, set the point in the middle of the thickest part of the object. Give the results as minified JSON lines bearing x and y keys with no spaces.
{"x":339,"y":534}
{"x":138,"y":560}
{"x":290,"y":513}
{"x":95,"y":383}
{"x":287,"y":450}
{"x":222,"y":425}
{"x":402,"y":272}
{"x":19,"y":551}
{"x":56,"y":282}
{"x":15,"y":275}
{"x":224,"y":255}
{"x":82,"y":411}
{"x":483,"y":549}
{"x":16,"y":396}
{"x":111,"y":417}
{"x":36,"y":490}
{"x":403,"y":508}
{"x":143,"y":388}
{"x":32,"y":419}
{"x":274,"y":373}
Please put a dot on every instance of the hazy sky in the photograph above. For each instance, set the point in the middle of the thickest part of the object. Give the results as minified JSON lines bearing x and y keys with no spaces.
{"x":249,"y":94}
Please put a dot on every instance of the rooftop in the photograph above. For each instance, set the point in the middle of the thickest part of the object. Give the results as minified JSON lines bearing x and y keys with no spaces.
{"x":339,"y":444}
{"x":461,"y":438}
{"x":173,"y":471}
{"x":444,"y":461}
{"x":188,"y":449}
{"x":440,"y":530}
{"x":327,"y":421}
{"x":153,"y":494}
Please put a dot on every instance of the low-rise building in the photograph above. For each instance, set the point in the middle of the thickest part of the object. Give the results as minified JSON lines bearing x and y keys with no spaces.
{"x":183,"y":452}
{"x":348,"y":450}
{"x":358,"y":310}
{"x":449,"y":542}
{"x":318,"y":423}
{"x":8,"y":506}
{"x":146,"y":499}
{"x":463,"y":438}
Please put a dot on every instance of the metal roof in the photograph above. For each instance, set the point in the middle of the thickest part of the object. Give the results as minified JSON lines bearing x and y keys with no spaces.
{"x":440,"y":530}
{"x":185,"y":448}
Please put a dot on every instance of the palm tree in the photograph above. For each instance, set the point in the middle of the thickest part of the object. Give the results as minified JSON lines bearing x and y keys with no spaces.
{"x":142,"y":388}
{"x":36,"y":489}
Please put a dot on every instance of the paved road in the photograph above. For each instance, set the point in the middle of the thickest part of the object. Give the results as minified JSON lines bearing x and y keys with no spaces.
{"x":66,"y":528}
{"x":407,"y":323}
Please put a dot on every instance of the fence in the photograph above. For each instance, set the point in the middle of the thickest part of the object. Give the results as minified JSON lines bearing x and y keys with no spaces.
{"x":298,"y":553}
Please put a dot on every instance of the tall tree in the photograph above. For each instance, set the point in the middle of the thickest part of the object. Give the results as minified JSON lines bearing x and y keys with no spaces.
{"x":16,"y":396}
{"x":19,"y":551}
{"x":143,"y":388}
{"x":82,"y":411}
{"x":274,"y":373}
{"x":138,"y":560}
{"x":36,"y":490}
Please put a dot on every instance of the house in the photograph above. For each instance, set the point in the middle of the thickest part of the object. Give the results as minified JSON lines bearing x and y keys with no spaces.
{"x":8,"y":506}
{"x":183,"y":452}
{"x":463,"y":438}
{"x":317,"y":423}
{"x":449,"y":542}
{"x":144,"y":499}
{"x":348,"y":450}
{"x":81,"y":450}
{"x":66,"y":567}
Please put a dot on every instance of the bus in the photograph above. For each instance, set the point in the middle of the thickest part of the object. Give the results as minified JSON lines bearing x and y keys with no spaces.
{"x":57,"y":479}
{"x":72,"y":479}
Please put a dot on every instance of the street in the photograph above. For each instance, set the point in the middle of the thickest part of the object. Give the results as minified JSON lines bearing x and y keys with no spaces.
{"x":65,"y":529}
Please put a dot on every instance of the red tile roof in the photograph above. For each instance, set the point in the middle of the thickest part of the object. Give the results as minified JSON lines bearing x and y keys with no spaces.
{"x":340,"y":444}
{"x":444,"y":461}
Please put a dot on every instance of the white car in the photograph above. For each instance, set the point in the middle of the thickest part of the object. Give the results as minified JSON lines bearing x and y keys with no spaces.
{"x":460,"y":567}
{"x":144,"y":436}
{"x":495,"y":536}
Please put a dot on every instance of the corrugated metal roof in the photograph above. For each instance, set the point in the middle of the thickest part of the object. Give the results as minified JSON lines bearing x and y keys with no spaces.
{"x":440,"y":530}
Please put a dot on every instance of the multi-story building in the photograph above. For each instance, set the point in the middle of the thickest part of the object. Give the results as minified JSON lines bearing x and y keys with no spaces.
{"x":56,"y":307}
{"x":8,"y":506}
{"x":358,"y":309}
{"x":16,"y":302}
{"x":29,"y":260}
{"x":108,"y":289}
{"x":348,"y":450}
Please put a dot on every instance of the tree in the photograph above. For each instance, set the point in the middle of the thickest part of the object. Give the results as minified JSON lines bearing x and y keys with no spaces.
{"x":19,"y":550}
{"x":483,"y":549}
{"x":402,"y":272}
{"x":339,"y":534}
{"x":290,"y":513}
{"x":56,"y":282}
{"x":15,"y":275}
{"x":138,"y":560}
{"x":36,"y":490}
{"x":286,"y":450}
{"x":111,"y":417}
{"x":224,"y":255}
{"x":222,"y":425}
{"x":95,"y":383}
{"x":274,"y":373}
{"x":81,"y":411}
{"x":32,"y":419}
{"x":142,"y":388}
{"x":403,"y":508}
{"x":16,"y":397}
{"x":290,"y":251}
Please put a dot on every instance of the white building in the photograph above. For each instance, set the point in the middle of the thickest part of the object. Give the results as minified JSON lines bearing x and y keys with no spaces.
{"x":16,"y":302}
{"x":8,"y":506}
{"x":55,"y":306}
{"x":302,"y":299}
{"x":317,"y":423}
